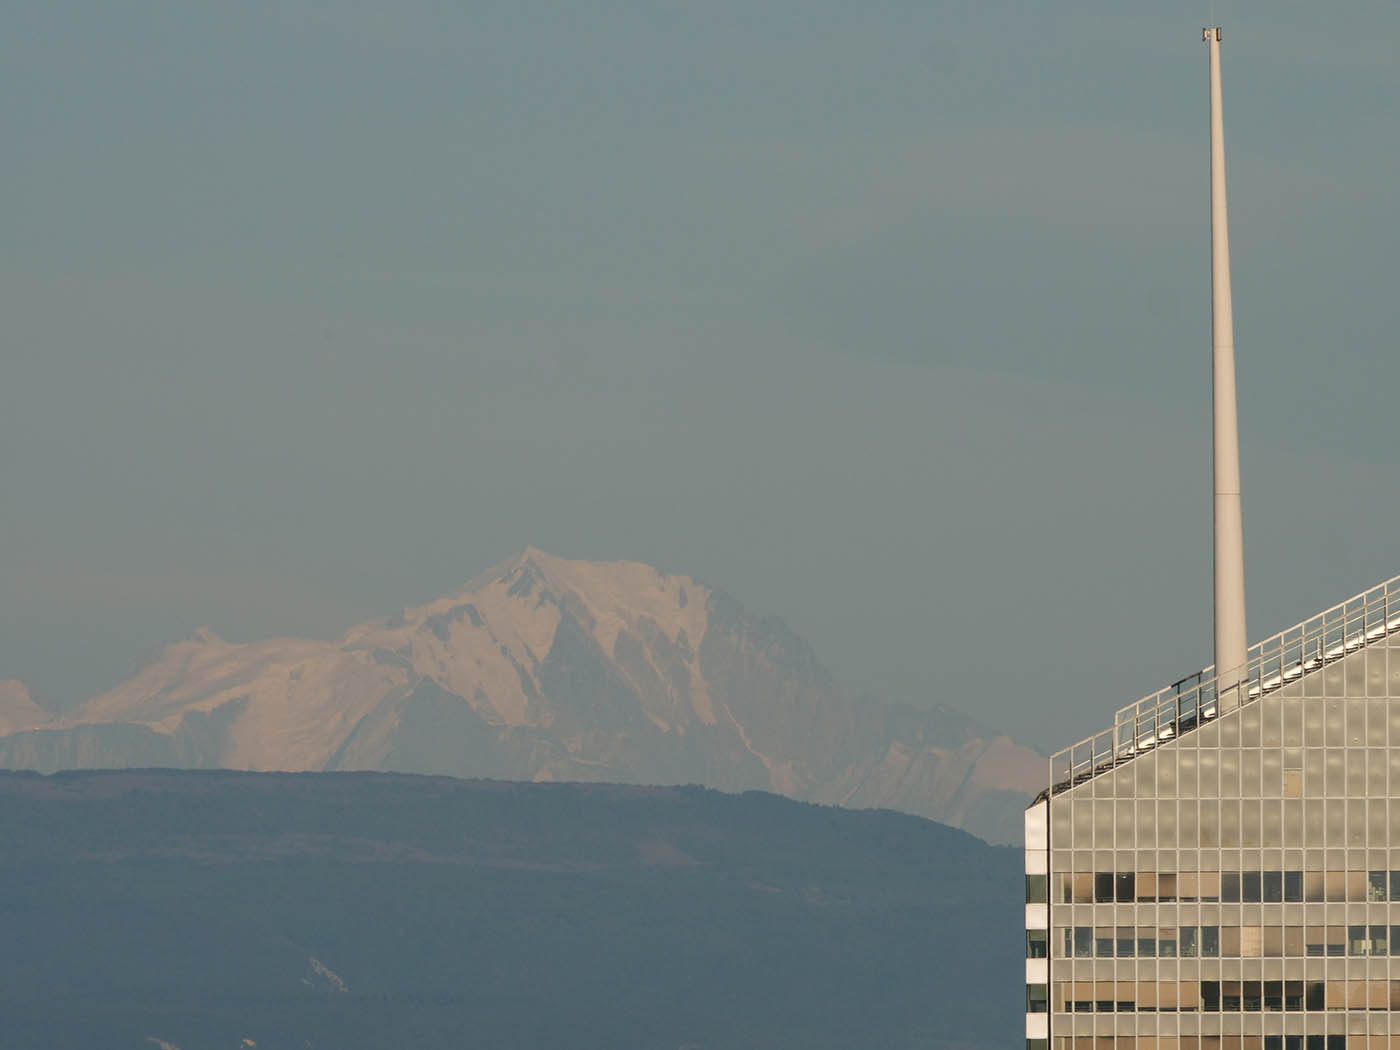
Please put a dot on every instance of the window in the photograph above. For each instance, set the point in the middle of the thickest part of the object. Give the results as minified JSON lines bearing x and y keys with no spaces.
{"x":1395,"y":885}
{"x":1336,"y":940}
{"x":1376,"y":885}
{"x":1209,"y":885}
{"x":1293,"y":941}
{"x":1316,"y":940}
{"x":1273,"y":995}
{"x":1273,"y":886}
{"x":1037,"y":999}
{"x":1084,"y":887}
{"x":1125,"y":884}
{"x":1292,"y":995}
{"x":1377,"y":938}
{"x":1103,"y":887}
{"x":1125,"y":942}
{"x":1210,"y":941}
{"x":1357,"y":944}
{"x":1166,"y":887}
{"x":1230,"y":886}
{"x":1188,"y":942}
{"x":1147,"y":886}
{"x":1313,"y":886}
{"x":1292,"y":886}
{"x":1037,"y":944}
{"x":1037,"y":889}
{"x":1251,"y":887}
{"x":1166,"y":942}
{"x":1083,"y":942}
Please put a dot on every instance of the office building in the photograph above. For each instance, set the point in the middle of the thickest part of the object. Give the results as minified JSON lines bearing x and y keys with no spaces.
{"x":1216,"y":871}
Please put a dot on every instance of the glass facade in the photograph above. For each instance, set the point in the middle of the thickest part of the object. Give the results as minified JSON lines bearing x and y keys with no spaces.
{"x":1228,"y":878}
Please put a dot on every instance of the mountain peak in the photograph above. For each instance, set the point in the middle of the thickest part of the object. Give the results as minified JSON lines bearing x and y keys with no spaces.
{"x":543,"y":668}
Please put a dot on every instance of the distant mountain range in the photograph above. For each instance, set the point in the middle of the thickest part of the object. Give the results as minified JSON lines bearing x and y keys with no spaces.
{"x":544,"y":669}
{"x":213,"y":910}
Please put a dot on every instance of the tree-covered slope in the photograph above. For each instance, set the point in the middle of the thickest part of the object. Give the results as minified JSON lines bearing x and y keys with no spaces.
{"x":372,"y":910}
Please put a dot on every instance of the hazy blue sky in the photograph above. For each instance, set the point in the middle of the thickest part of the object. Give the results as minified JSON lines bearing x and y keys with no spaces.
{"x":889,"y":318}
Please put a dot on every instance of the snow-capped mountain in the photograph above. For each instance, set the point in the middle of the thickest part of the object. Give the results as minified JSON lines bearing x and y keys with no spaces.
{"x":544,"y":669}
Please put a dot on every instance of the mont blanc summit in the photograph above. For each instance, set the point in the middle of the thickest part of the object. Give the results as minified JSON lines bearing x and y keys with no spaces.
{"x":546,"y":669}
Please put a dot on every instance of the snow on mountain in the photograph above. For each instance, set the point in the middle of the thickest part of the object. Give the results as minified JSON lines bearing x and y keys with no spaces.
{"x":545,"y":669}
{"x":17,"y":708}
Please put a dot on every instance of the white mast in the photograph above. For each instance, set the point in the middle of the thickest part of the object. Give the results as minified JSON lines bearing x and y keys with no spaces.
{"x":1230,"y":635}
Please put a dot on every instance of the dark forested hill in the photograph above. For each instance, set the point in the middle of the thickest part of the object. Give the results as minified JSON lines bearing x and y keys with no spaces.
{"x":225,"y":910}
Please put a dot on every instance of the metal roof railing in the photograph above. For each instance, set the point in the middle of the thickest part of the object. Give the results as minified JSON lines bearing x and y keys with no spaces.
{"x":1273,"y":663}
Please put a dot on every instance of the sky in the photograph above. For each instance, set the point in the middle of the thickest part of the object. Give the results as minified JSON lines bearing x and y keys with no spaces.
{"x":890,"y":319}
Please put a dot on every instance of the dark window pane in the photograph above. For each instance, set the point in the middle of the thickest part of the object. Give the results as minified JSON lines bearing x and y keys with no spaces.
{"x":1230,"y":886}
{"x":1188,"y":942}
{"x":1037,"y":999}
{"x":1273,"y":886}
{"x":1210,"y":941}
{"x":1313,"y":995}
{"x":1127,"y":886}
{"x":1251,"y":887}
{"x":1036,"y":944}
{"x":1253,"y":996}
{"x":1356,"y":940}
{"x":1292,"y":885}
{"x":1395,"y":885}
{"x":1037,"y":889}
{"x":1292,"y":995}
{"x":1273,"y":995}
{"x":1103,"y":886}
{"x":1210,"y":996}
{"x":1375,"y":885}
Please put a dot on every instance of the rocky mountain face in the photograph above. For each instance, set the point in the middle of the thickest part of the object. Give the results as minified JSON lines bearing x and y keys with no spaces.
{"x":544,"y":669}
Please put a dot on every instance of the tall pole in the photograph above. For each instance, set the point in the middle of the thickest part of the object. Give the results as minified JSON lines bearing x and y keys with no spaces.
{"x":1230,"y":635}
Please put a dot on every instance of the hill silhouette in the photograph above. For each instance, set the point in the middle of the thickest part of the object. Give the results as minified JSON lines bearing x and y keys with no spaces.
{"x":200,"y":909}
